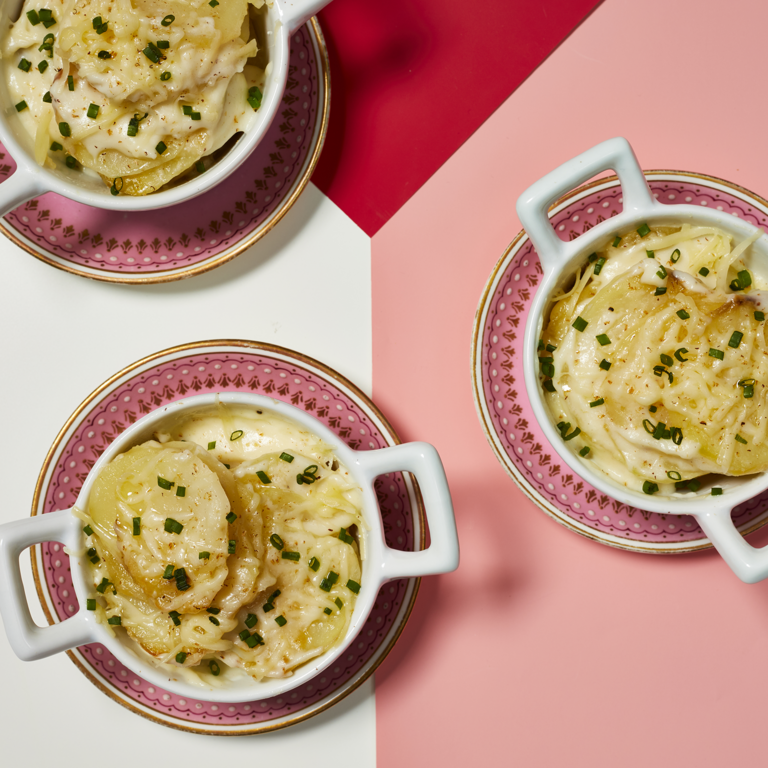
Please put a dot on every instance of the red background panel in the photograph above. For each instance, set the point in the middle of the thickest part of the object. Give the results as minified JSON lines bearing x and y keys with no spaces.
{"x":411,"y":80}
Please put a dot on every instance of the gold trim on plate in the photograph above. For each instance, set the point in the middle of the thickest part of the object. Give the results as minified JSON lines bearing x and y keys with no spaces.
{"x":179,"y":350}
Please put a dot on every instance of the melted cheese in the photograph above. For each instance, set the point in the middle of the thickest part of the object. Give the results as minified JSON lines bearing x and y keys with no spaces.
{"x":241,"y":497}
{"x":205,"y":63}
{"x":634,"y":301}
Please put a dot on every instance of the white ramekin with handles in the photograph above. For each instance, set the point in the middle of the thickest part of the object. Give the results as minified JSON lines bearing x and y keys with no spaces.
{"x":382,"y":563}
{"x":560,"y":259}
{"x":29,"y":180}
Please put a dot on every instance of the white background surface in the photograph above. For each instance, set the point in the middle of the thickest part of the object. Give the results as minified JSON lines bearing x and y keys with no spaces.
{"x":306,"y":286}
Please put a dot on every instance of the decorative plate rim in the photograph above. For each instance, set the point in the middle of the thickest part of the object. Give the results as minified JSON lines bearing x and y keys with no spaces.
{"x":320,"y":132}
{"x":413,"y":583}
{"x":508,"y":465}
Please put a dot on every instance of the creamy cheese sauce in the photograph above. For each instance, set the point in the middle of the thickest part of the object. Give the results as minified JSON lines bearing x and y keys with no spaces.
{"x":203,"y":63}
{"x":259,"y":568}
{"x":662,"y":378}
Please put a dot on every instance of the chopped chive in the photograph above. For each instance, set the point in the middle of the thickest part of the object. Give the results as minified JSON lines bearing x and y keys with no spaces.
{"x":88,"y":531}
{"x":244,"y":635}
{"x":211,"y":445}
{"x":286,"y":457}
{"x":254,"y":640}
{"x":643,"y":230}
{"x":540,"y":345}
{"x":580,"y":324}
{"x":163,"y":44}
{"x":25,"y":65}
{"x":48,"y":23}
{"x":547,"y":369}
{"x":276,"y":541}
{"x":132,"y":129}
{"x":186,"y":109}
{"x":96,"y":22}
{"x":267,"y":607}
{"x":181,"y":657}
{"x":196,"y":116}
{"x":168,"y":20}
{"x":181,"y":490}
{"x":749,"y":391}
{"x":662,"y":273}
{"x":605,"y":365}
{"x":649,"y":487}
{"x":232,"y":547}
{"x":214,"y":611}
{"x":592,"y":258}
{"x":72,"y":162}
{"x":314,"y":564}
{"x":274,"y":596}
{"x":254,"y":97}
{"x":667,"y":360}
{"x":152,"y":54}
{"x":597,"y":402}
{"x":345,"y":537}
{"x":168,"y":572}
{"x":717,"y":353}
{"x":102,"y":28}
{"x":616,"y":241}
{"x":584,"y":451}
{"x":549,"y":386}
{"x":682,"y":314}
{"x":759,"y":316}
{"x":717,"y":491}
{"x":653,"y":409}
{"x":703,"y":271}
{"x":328,"y":611}
{"x":214,"y":667}
{"x":104,"y":55}
{"x":93,"y":111}
{"x":551,"y":347}
{"x":740,"y":439}
{"x":674,"y":475}
{"x":115,"y":621}
{"x":71,"y":82}
{"x":165,"y":76}
{"x":175,"y":617}
{"x":603,"y":340}
{"x":161,"y":148}
{"x":45,"y":14}
{"x":675,"y":257}
{"x":55,"y":146}
{"x":180,"y":574}
{"x":236,"y":435}
{"x":226,"y":465}
{"x":679,"y":354}
{"x":735,"y":339}
{"x":34,"y":19}
{"x":564,"y":426}
{"x":251,"y":620}
{"x":339,"y":603}
{"x":325,"y":585}
{"x":102,"y":588}
{"x":746,"y":382}
{"x":599,"y":266}
{"x":166,"y":485}
{"x":213,"y":3}
{"x":263,"y":476}
{"x":677,"y":435}
{"x":573,"y":434}
{"x":660,"y":291}
{"x":200,"y":166}
{"x":353,"y":586}
{"x":90,"y":604}
{"x":648,"y":426}
{"x":650,"y":254}
{"x":281,"y":621}
{"x":116,"y":189}
{"x":21,"y":106}
{"x":173,"y":526}
{"x":203,"y":555}
{"x":295,"y":556}
{"x":231,"y":517}
{"x":658,"y":431}
{"x":137,"y":526}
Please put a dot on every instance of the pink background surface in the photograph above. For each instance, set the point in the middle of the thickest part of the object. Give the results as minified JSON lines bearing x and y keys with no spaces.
{"x":546,"y":649}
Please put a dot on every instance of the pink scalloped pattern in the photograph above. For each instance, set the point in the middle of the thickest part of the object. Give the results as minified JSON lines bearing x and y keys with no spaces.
{"x":237,"y":370}
{"x":185,"y":235}
{"x":535,"y":462}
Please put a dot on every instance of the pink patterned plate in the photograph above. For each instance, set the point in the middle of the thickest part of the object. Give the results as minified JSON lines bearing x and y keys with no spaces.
{"x":202,"y":233}
{"x":503,"y":406}
{"x":227,"y":366}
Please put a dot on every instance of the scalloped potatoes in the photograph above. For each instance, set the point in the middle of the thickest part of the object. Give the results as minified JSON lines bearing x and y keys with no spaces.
{"x":229,"y":543}
{"x":137,"y":91}
{"x":655,"y":362}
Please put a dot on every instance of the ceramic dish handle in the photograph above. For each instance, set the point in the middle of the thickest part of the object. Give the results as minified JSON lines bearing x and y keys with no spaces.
{"x":533,"y":205}
{"x":28,"y":641}
{"x":747,"y":562}
{"x":423,"y":461}
{"x":17,"y":189}
{"x":296,"y":13}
